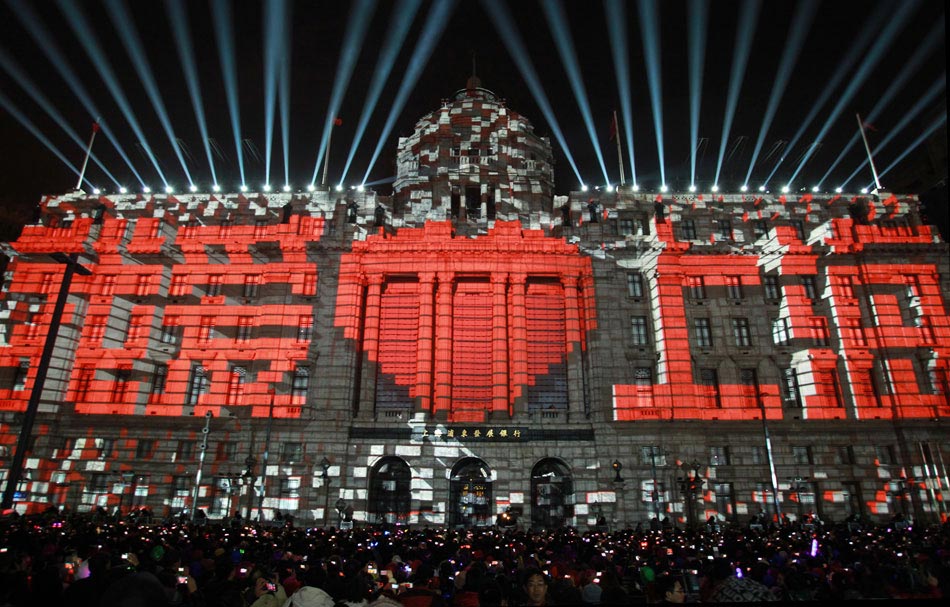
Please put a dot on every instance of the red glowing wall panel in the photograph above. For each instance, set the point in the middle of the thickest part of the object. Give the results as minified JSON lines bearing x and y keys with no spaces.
{"x":398,"y":337}
{"x":494,"y":315}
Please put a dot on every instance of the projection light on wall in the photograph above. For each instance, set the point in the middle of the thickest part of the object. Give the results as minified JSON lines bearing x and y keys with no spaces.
{"x":123,"y":190}
{"x":663,"y":188}
{"x":761,"y":188}
{"x":147,"y":190}
{"x":215,"y":188}
{"x":169,"y":189}
{"x":636,"y":187}
{"x":95,"y":191}
{"x":193,"y":188}
{"x":744,"y":188}
{"x":785,"y":189}
{"x":864,"y":190}
{"x":311,"y":187}
{"x":266,"y":187}
{"x":609,"y":188}
{"x":838,"y":190}
{"x":339,"y":187}
{"x":583,"y":188}
{"x":715,"y":188}
{"x":692,"y":188}
{"x":243,"y":187}
{"x":814,"y":188}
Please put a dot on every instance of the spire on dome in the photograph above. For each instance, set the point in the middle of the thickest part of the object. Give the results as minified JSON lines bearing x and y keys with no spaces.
{"x":473,"y":81}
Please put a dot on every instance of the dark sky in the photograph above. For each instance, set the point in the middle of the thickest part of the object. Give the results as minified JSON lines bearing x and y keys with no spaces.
{"x":30,"y":169}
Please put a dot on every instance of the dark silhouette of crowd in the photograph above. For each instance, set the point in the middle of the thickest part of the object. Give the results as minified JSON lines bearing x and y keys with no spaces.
{"x":95,"y":560}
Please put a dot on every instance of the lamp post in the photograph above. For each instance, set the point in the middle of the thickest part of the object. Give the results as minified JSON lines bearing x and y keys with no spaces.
{"x":125,"y":480}
{"x":202,"y":449}
{"x":325,"y":464}
{"x":270,"y":422}
{"x":655,"y":492}
{"x":798,"y":484}
{"x":248,"y":475}
{"x":42,"y":368}
{"x":692,"y":484}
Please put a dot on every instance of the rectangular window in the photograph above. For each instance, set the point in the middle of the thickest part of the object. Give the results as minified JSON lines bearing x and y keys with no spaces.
{"x":626,"y":227}
{"x":206,"y":329}
{"x":105,"y":447}
{"x":108,"y":284}
{"x":46,"y":283}
{"x":853,"y":330}
{"x":770,"y":284}
{"x":97,"y":327}
{"x":121,"y":385}
{"x":137,"y":327}
{"x":697,"y":288}
{"x":638,"y":331}
{"x":802,"y":455}
{"x":171,"y":330}
{"x":144,"y":448}
{"x":65,"y":447}
{"x":159,"y":377}
{"x":759,"y":456}
{"x":652,"y":455}
{"x":215,"y":281}
{"x":790,"y":387}
{"x":99,"y":483}
{"x":844,"y":454}
{"x":20,"y":375}
{"x":819,"y":330}
{"x":725,"y":229}
{"x":703,"y":332}
{"x":709,"y":379}
{"x":199,"y":384}
{"x":719,"y":456}
{"x":301,"y":382}
{"x":811,"y":292}
{"x":734,"y":287}
{"x":142,"y":282}
{"x":84,"y":382}
{"x":245,"y":325}
{"x":760,"y":228}
{"x":763,"y":494}
{"x":290,"y":487}
{"x":305,"y":328}
{"x":781,"y":334}
{"x":846,"y":285}
{"x":740,"y":331}
{"x":226,"y":451}
{"x":252,"y":286}
{"x":260,"y":228}
{"x":799,"y":226}
{"x":178,"y":286}
{"x":885,"y":455}
{"x":688,"y":228}
{"x":309,"y":284}
{"x":236,"y":381}
{"x":748,"y":377}
{"x":185,"y":451}
{"x":291,"y":452}
{"x":634,"y":284}
{"x":179,"y":486}
{"x":725,"y":504}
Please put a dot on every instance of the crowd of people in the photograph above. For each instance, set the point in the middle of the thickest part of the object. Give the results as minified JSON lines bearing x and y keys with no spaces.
{"x":91,"y":560}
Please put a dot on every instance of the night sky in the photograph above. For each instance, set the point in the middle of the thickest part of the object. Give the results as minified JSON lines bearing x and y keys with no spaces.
{"x":318,"y":28}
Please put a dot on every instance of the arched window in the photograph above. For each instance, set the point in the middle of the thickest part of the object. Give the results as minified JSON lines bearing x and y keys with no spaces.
{"x":389,"y":491}
{"x":552,"y":494}
{"x":470,"y":494}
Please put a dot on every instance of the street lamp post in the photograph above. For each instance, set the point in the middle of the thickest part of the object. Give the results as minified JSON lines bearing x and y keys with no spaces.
{"x":270,"y":422}
{"x":325,"y":464}
{"x":798,"y":485}
{"x":250,"y":462}
{"x":42,"y":368}
{"x":202,"y":448}
{"x":692,"y":484}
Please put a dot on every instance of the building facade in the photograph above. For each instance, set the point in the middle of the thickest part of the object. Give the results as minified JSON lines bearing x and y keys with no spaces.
{"x":475,"y":344}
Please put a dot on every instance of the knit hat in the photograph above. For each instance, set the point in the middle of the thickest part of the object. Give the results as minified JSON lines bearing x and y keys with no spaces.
{"x":591,"y":594}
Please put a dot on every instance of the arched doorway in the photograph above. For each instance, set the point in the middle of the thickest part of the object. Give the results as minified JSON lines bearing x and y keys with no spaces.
{"x":470,"y":494}
{"x":552,"y":494}
{"x":389,"y":491}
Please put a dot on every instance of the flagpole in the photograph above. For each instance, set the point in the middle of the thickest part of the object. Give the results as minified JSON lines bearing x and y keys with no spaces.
{"x":82,"y":173}
{"x":619,"y":149}
{"x":326,"y":162}
{"x":877,"y":182}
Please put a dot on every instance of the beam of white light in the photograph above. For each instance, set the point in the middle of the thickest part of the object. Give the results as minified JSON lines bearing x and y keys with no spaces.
{"x":869,"y":31}
{"x":698,"y":17}
{"x":28,"y":125}
{"x":879,"y":48}
{"x":748,"y":17}
{"x":505,"y":26}
{"x":650,"y":33}
{"x":40,"y":99}
{"x":276,"y":30}
{"x":125,"y":27}
{"x":557,"y":21}
{"x":616,"y":14}
{"x":929,"y":95}
{"x":82,"y":29}
{"x":45,"y":40}
{"x":178,"y":18}
{"x":404,"y":12}
{"x":283,"y":91}
{"x":926,"y":47}
{"x":797,"y":32}
{"x":931,"y":128}
{"x":432,"y":30}
{"x":360,"y":17}
{"x":224,"y":33}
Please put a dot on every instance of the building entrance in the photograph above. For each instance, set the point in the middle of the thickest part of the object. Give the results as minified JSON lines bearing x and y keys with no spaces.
{"x":470,"y":494}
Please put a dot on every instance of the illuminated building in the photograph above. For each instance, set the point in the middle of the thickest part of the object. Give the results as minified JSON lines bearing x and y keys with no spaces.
{"x":486,"y":345}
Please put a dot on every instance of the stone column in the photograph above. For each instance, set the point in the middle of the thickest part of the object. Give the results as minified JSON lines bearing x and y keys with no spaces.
{"x":370,"y":361}
{"x":518,"y":338}
{"x":442,"y":366}
{"x":501,"y":404}
{"x":573,"y":334}
{"x":424,"y":348}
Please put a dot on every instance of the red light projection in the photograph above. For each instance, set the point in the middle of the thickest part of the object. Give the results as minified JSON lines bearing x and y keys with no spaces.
{"x":210,"y":343}
{"x":891,"y":324}
{"x":468,"y":327}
